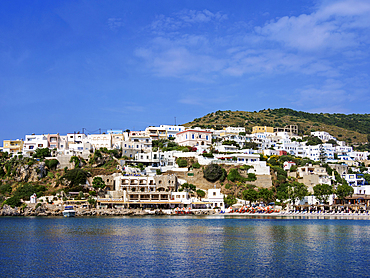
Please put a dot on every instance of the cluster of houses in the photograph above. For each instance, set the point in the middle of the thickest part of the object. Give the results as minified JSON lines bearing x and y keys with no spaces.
{"x":231,"y":145}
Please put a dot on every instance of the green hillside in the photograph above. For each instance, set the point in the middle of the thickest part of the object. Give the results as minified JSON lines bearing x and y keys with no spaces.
{"x":352,"y":128}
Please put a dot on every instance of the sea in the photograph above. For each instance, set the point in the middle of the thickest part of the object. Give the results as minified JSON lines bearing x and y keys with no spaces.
{"x":183,"y":246}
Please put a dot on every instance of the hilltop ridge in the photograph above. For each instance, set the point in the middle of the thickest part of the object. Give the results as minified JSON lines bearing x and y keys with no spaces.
{"x":352,"y":128}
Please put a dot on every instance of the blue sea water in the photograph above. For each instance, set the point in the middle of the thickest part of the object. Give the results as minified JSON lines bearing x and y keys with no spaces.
{"x":183,"y":247}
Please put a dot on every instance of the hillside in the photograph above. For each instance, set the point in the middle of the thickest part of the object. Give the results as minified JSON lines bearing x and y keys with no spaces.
{"x":352,"y":128}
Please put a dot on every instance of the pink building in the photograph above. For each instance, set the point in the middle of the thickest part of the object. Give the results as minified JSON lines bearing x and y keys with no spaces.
{"x":193,"y":138}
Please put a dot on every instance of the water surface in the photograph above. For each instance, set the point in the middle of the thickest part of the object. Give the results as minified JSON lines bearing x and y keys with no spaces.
{"x":183,"y":246}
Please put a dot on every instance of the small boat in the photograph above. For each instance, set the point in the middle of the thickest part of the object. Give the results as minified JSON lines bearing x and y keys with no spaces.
{"x":69,"y":211}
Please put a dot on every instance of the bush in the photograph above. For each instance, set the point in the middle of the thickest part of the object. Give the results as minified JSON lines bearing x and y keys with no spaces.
{"x":158,"y":172}
{"x":182,"y":162}
{"x":6,"y":189}
{"x":98,"y":183}
{"x":212,"y":172}
{"x":51,"y":175}
{"x":76,"y":176}
{"x":201,"y":193}
{"x":42,"y":153}
{"x":51,"y":163}
{"x":13,"y":201}
{"x":92,"y":193}
{"x":223,"y":176}
{"x":251,"y":177}
{"x":235,"y":176}
{"x":196,"y":165}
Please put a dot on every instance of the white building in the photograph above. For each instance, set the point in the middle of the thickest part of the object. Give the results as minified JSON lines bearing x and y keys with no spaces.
{"x":194,"y":138}
{"x":100,"y":141}
{"x":323,"y":135}
{"x":216,"y":198}
{"x":172,"y":130}
{"x":33,"y":142}
{"x":235,"y":130}
{"x":354,"y":179}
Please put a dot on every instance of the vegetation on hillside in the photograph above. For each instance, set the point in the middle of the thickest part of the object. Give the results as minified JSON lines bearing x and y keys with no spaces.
{"x":352,"y":128}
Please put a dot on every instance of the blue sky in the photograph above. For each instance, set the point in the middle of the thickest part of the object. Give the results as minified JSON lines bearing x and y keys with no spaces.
{"x":68,"y":65}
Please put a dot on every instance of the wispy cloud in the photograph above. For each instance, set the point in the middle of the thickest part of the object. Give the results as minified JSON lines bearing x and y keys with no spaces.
{"x":114,"y":23}
{"x":185,"y":18}
{"x":269,"y":49}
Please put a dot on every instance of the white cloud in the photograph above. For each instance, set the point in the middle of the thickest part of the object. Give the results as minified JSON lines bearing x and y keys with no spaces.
{"x":330,"y":27}
{"x":184,"y":18}
{"x":303,"y":44}
{"x":115,"y":23}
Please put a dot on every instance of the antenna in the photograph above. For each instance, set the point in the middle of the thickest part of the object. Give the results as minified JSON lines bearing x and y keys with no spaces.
{"x":175,"y":120}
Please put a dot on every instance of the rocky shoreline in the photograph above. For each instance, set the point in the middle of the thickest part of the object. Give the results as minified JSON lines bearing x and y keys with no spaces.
{"x":52,"y":210}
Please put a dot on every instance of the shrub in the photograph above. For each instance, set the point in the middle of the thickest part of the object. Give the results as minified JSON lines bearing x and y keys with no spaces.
{"x":76,"y":176}
{"x":13,"y":201}
{"x":98,"y":183}
{"x":196,"y":165}
{"x":158,"y":172}
{"x":182,"y":162}
{"x":251,"y":177}
{"x":92,"y":193}
{"x":224,"y":175}
{"x":51,"y":175}
{"x":42,"y":153}
{"x":235,"y":176}
{"x":6,"y":188}
{"x":201,"y":193}
{"x":212,"y":172}
{"x":141,"y":166}
{"x":51,"y":163}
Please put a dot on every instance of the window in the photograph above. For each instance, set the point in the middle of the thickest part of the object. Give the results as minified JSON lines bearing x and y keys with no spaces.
{"x":214,"y":193}
{"x":206,"y":137}
{"x":31,"y":147}
{"x":192,"y":136}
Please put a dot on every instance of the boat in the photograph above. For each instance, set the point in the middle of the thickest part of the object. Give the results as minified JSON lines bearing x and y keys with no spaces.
{"x":69,"y":211}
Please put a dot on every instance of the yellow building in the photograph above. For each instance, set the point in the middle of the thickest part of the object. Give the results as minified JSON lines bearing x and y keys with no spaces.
{"x":12,"y":146}
{"x":262,"y":129}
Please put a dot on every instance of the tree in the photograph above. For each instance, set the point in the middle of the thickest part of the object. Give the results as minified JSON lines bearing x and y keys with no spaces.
{"x":42,"y":153}
{"x":76,"y":176}
{"x":265,"y":195}
{"x":212,"y":172}
{"x":75,"y":160}
{"x":230,"y":200}
{"x":250,"y":195}
{"x":98,"y":183}
{"x":297,"y":191}
{"x":344,"y":190}
{"x":141,"y":166}
{"x":201,"y":194}
{"x":92,"y":202}
{"x":322,"y":192}
{"x":13,"y":201}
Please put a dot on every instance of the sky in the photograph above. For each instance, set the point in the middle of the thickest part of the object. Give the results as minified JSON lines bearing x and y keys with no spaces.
{"x":68,"y":65}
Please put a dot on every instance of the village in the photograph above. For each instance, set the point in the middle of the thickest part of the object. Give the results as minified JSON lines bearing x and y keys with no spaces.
{"x":181,"y":170}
